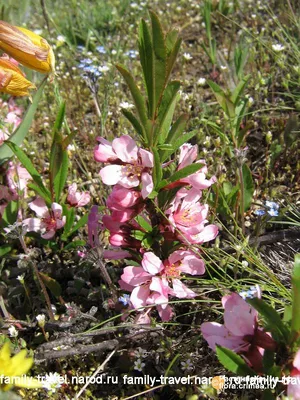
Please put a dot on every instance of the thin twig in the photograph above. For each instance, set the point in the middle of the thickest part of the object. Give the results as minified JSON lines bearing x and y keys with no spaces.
{"x":100,"y":368}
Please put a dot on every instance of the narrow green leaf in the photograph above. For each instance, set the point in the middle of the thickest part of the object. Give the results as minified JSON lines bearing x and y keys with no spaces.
{"x":157,"y":170}
{"x":20,"y":133}
{"x":179,"y":142}
{"x":238,"y":91}
{"x":172,"y":58}
{"x":51,"y":284}
{"x":296,"y":297}
{"x":171,"y":39}
{"x":147,"y":62}
{"x":74,"y":244}
{"x":166,"y":111}
{"x":223,"y":100}
{"x":4,"y":249}
{"x":135,"y":93}
{"x":69,"y":212}
{"x":271,"y":317}
{"x":240,"y":114}
{"x":10,"y":214}
{"x":143,"y":223}
{"x":58,"y":157}
{"x":182,"y":173}
{"x":159,"y":49}
{"x":83,"y":221}
{"x":177,"y":129}
{"x":248,"y":187}
{"x":233,"y":362}
{"x":25,"y":161}
{"x":135,"y":123}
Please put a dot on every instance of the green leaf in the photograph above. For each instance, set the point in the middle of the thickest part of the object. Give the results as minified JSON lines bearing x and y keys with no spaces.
{"x":135,"y":92}
{"x":147,"y":62}
{"x":74,"y":244}
{"x":10,"y":214}
{"x":233,"y":362}
{"x":69,"y":212}
{"x":143,"y":223}
{"x":268,"y":361}
{"x":295,"y":328}
{"x":59,"y":161}
{"x":51,"y":284}
{"x":222,"y":98}
{"x":179,"y":142}
{"x":238,"y":91}
{"x":248,"y":187}
{"x":240,"y":114}
{"x":83,"y":221}
{"x":177,"y":128}
{"x":173,"y":44}
{"x":182,"y":173}
{"x":157,"y":169}
{"x":135,"y":123}
{"x":27,"y":164}
{"x":166,"y":111}
{"x":4,"y":249}
{"x":20,"y":133}
{"x":159,"y":49}
{"x":271,"y":317}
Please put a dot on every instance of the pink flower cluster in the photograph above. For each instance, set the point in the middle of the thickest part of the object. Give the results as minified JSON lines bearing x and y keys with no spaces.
{"x":155,"y":281}
{"x":10,"y":114}
{"x":129,"y":171}
{"x":240,"y":331}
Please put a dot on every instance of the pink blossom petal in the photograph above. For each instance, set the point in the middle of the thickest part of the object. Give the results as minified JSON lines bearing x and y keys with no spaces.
{"x":111,"y":174}
{"x":139,"y":296}
{"x":296,"y":362}
{"x":210,"y":232}
{"x":239,"y":316}
{"x":116,"y":254}
{"x":151,"y":263}
{"x":135,"y":276}
{"x":147,"y":184}
{"x":49,"y":234}
{"x":293,"y":390}
{"x":147,"y":158}
{"x":181,"y":291}
{"x":215,"y":333}
{"x":188,"y":155}
{"x":165,"y":313}
{"x":104,"y":151}
{"x":33,"y":224}
{"x":39,"y":207}
{"x":160,"y":286}
{"x":126,"y":149}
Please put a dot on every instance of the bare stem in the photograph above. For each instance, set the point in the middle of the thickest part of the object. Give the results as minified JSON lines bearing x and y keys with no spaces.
{"x":242,"y":198}
{"x":44,"y":290}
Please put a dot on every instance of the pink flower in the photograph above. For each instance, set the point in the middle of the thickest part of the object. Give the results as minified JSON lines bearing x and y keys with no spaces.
{"x":77,"y":199}
{"x":49,"y":221}
{"x":240,"y":331}
{"x":188,"y":154}
{"x":17,"y":178}
{"x":3,"y":135}
{"x":130,"y":165}
{"x":120,"y":233}
{"x":293,"y":390}
{"x":116,"y":254}
{"x":188,"y":216}
{"x":123,"y":203}
{"x":150,"y":283}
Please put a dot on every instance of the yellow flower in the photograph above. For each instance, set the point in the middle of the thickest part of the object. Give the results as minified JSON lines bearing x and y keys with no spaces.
{"x":29,"y":49}
{"x":13,"y":368}
{"x":12,"y":79}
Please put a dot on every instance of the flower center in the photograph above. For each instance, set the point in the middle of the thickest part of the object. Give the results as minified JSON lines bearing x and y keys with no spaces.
{"x":132,"y":171}
{"x":171,"y":271}
{"x":49,"y":222}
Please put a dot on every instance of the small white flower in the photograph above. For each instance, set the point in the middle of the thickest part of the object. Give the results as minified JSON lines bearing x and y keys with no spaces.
{"x":134,"y":5}
{"x":52,"y":381}
{"x":103,"y":68}
{"x":223,"y":67}
{"x":126,"y":105}
{"x":114,"y":52}
{"x":71,"y":147}
{"x":38,"y":31}
{"x":140,"y":353}
{"x":187,"y":56}
{"x":138,"y":365}
{"x":187,"y":365}
{"x":61,"y":38}
{"x":277,"y":47}
{"x":21,"y":278}
{"x":13,"y":331}
{"x":41,"y":320}
{"x":245,"y":263}
{"x":201,"y":81}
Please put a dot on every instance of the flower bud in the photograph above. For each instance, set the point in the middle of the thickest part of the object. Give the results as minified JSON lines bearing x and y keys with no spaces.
{"x":12,"y":79}
{"x":29,"y":49}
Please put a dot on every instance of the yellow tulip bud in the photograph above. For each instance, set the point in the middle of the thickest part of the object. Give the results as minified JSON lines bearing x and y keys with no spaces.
{"x":12,"y":79}
{"x":27,"y":48}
